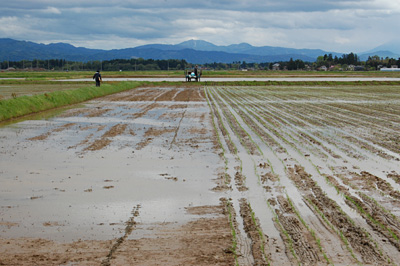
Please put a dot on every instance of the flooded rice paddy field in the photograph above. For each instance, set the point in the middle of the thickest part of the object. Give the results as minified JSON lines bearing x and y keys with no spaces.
{"x":206,"y":176}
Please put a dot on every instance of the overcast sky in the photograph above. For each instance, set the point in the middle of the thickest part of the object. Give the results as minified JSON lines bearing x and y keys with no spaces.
{"x":332,"y":25}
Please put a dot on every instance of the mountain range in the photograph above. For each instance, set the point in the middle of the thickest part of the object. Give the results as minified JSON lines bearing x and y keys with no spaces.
{"x":193,"y":51}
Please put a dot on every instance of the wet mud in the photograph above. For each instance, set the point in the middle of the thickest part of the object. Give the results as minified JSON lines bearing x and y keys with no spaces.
{"x":325,"y":164}
{"x":206,"y":176}
{"x":128,"y":179}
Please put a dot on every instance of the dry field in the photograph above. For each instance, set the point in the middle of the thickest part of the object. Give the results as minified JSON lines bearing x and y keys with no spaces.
{"x":207,"y":176}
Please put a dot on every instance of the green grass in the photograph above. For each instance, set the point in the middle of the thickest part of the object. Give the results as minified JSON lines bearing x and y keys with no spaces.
{"x":24,"y":105}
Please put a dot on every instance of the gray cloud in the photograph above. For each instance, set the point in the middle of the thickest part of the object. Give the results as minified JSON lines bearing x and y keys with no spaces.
{"x":343,"y":26}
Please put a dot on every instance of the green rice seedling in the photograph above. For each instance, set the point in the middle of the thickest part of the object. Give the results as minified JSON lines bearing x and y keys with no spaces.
{"x":289,"y":239}
{"x":222,"y":126}
{"x":216,"y":132}
{"x":338,"y":232}
{"x":309,"y":229}
{"x":364,"y":213}
{"x":253,"y":217}
{"x":249,"y":136}
{"x":233,"y":231}
{"x":380,"y":206}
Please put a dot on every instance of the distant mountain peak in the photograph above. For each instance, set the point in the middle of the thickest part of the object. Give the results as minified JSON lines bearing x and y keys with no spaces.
{"x":198,"y":45}
{"x":392,"y":46}
{"x":241,"y":45}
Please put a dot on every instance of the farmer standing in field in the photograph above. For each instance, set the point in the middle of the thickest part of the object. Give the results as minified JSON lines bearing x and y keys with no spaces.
{"x":97,"y":77}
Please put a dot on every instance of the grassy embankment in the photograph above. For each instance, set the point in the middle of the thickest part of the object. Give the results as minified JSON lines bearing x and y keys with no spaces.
{"x":24,"y":105}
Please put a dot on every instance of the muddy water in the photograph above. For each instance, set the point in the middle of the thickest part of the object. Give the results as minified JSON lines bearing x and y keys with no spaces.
{"x":144,"y":158}
{"x":297,"y":132}
{"x":71,"y":177}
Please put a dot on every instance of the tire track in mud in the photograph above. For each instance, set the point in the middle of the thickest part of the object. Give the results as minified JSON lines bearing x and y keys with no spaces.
{"x":130,"y":224}
{"x":306,"y":250}
{"x":185,"y":96}
{"x":254,"y":233}
{"x":176,"y":130}
{"x":242,"y":247}
{"x":379,"y":218}
{"x":358,"y":238}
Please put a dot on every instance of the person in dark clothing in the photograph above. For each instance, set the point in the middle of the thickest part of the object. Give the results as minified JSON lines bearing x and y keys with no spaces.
{"x":195,"y":71}
{"x":97,"y":77}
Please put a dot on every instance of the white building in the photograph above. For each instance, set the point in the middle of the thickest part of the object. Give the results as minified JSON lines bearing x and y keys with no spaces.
{"x":392,"y":69}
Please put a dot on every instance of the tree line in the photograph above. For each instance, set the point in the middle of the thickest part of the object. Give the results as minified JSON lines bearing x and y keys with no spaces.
{"x":138,"y":64}
{"x":328,"y":60}
{"x":372,"y":63}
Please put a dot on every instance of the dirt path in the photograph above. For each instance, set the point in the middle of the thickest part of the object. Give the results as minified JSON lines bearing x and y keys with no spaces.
{"x":210,"y":176}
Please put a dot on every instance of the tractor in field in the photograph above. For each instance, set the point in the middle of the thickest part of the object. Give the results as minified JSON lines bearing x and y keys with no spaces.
{"x":193,"y":74}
